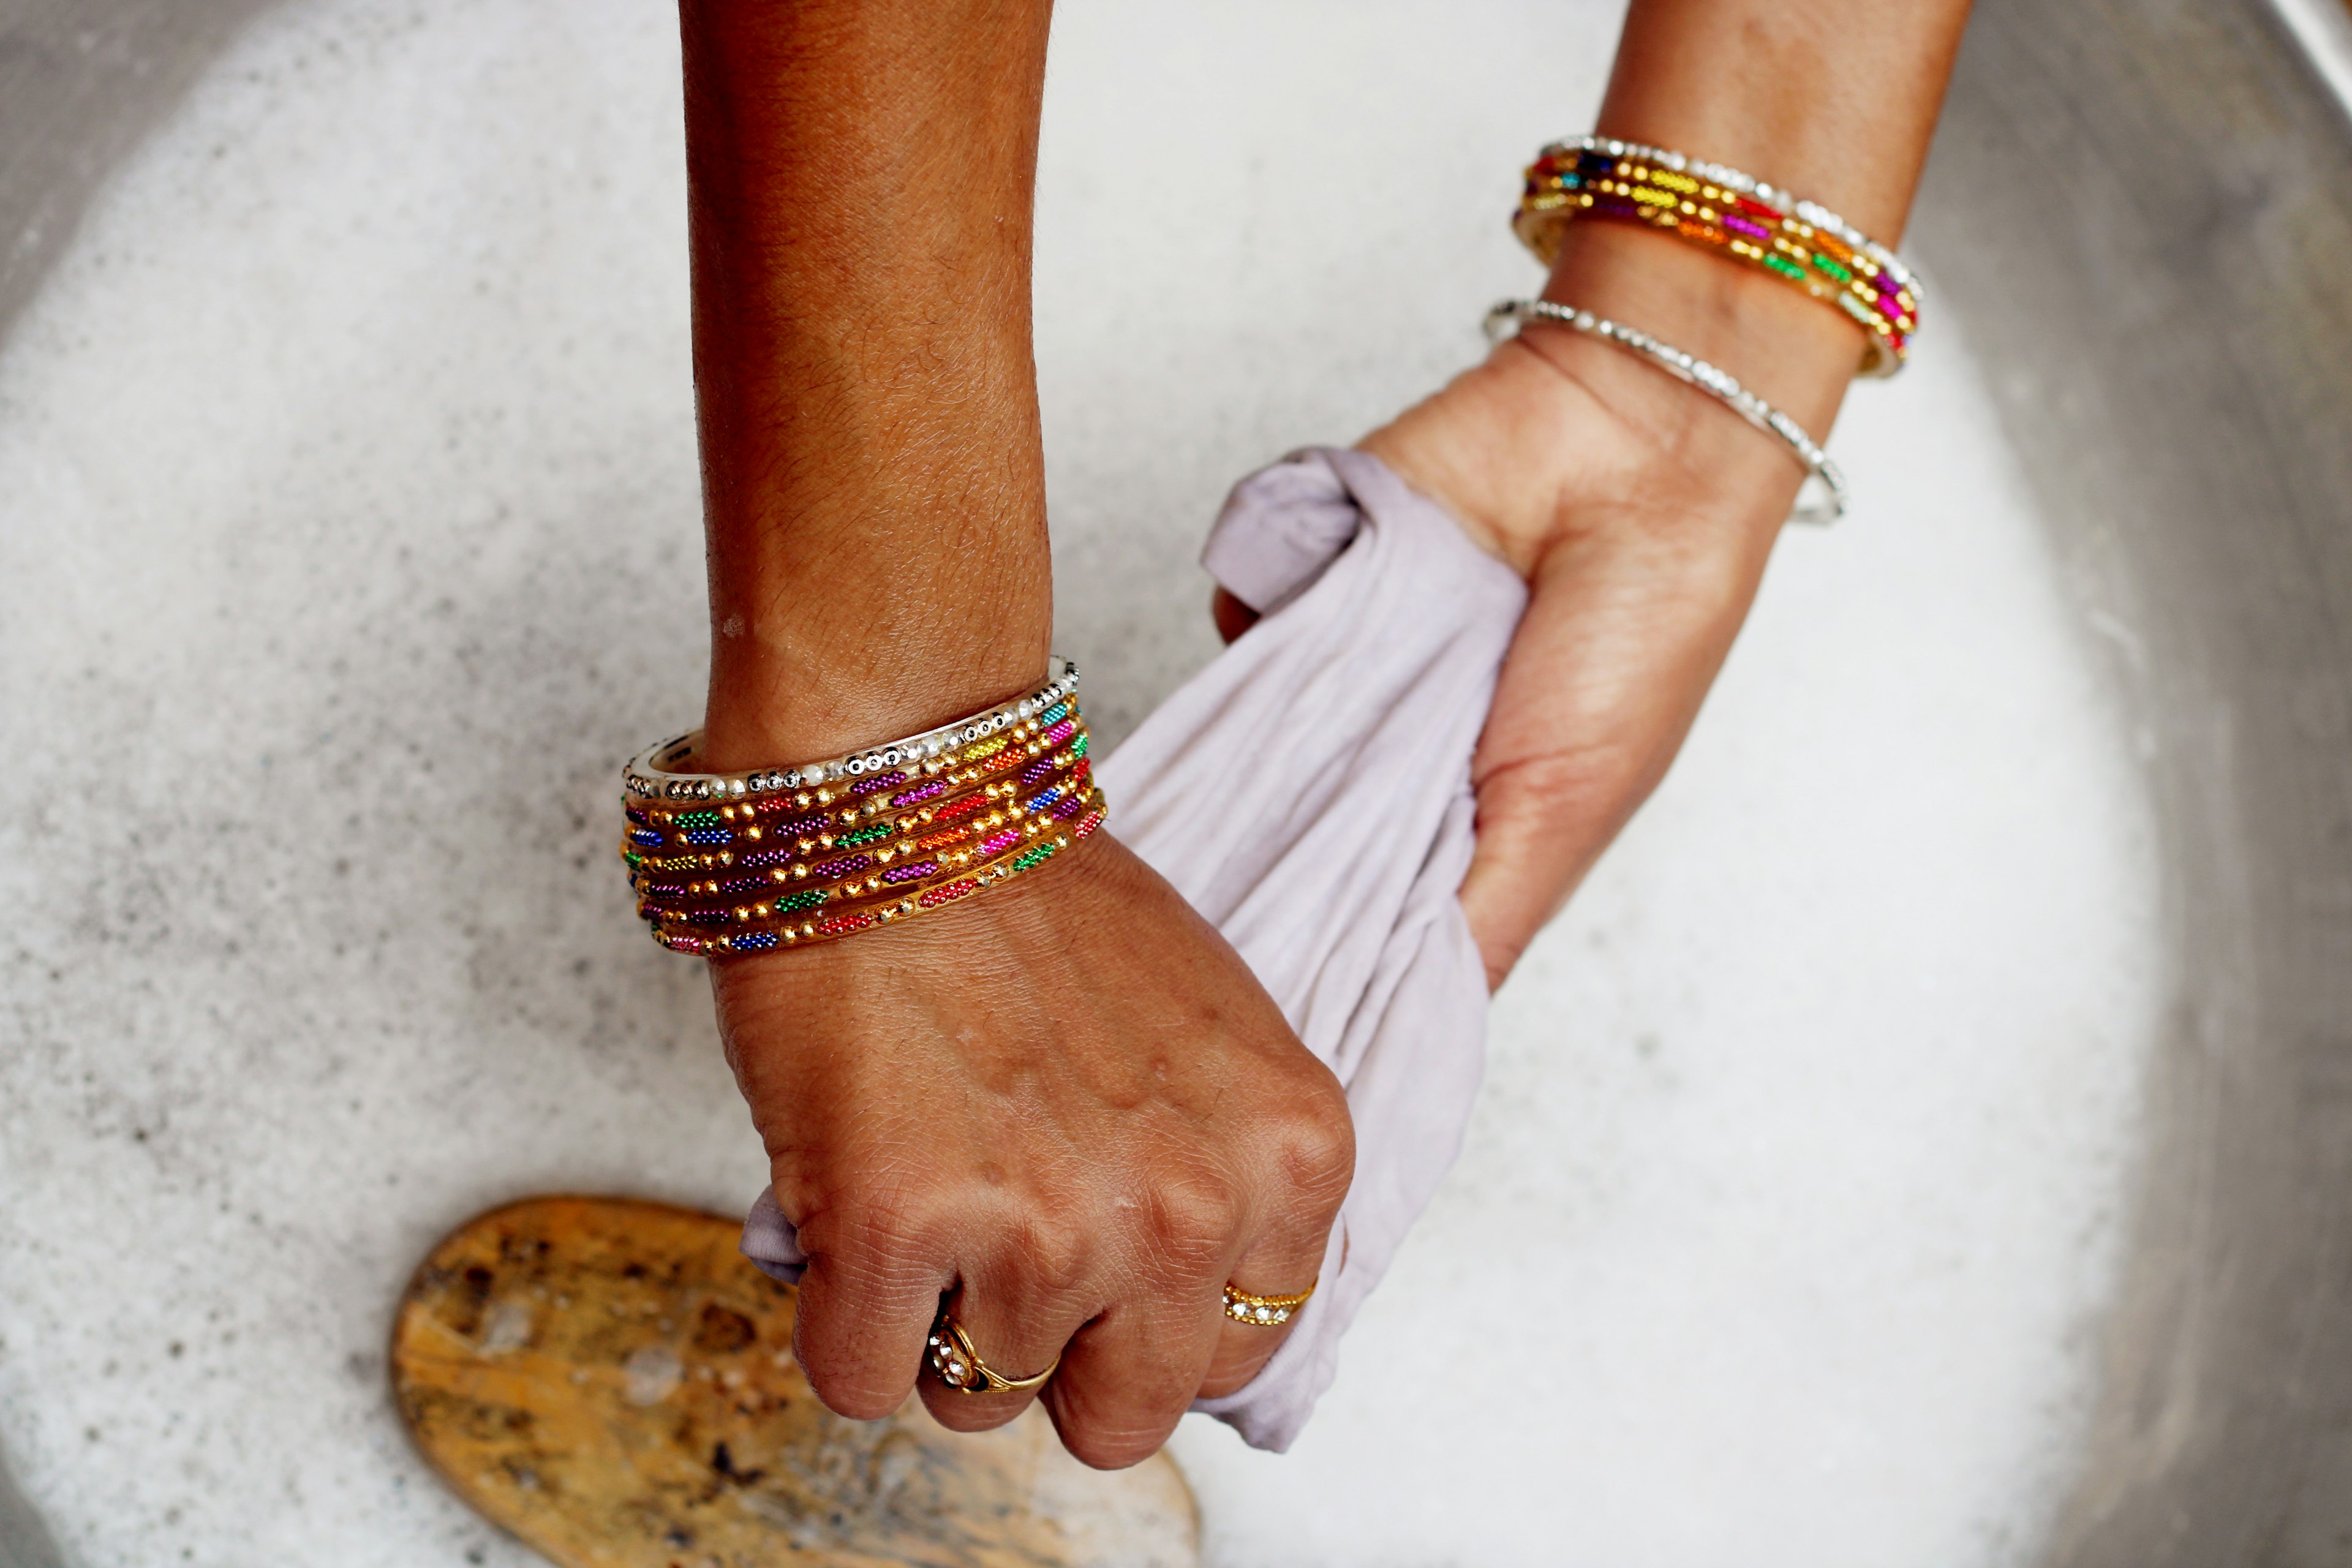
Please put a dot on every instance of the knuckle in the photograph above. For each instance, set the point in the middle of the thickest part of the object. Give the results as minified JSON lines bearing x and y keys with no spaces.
{"x":1194,"y":1213}
{"x":961,"y":1413}
{"x":1316,"y":1152}
{"x":884,"y":1224}
{"x":1110,"y":1451}
{"x":1106,"y":1442}
{"x":1302,"y":1146}
{"x":851,"y":1399}
{"x":844,"y":1384}
{"x":1056,"y":1252}
{"x":1597,"y":782}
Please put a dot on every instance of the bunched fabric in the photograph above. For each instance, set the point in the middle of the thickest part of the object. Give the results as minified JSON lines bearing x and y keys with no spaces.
{"x":1334,"y":872}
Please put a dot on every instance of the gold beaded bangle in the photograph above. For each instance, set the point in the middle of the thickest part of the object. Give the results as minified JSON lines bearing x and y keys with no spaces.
{"x":859,"y":889}
{"x":1734,"y":214}
{"x":743,"y":901}
{"x":816,"y":928}
{"x":728,"y":863}
{"x":748,"y":839}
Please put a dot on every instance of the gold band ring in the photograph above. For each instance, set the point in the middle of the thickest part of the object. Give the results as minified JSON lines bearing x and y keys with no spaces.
{"x":1263,"y":1312}
{"x":961,"y":1368}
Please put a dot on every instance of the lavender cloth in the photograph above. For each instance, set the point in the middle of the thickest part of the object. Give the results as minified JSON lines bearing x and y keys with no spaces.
{"x":1331,"y":865}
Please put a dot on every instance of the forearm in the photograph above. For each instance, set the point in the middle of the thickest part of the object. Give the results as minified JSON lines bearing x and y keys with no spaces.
{"x":1641,"y":510}
{"x":1834,"y":100}
{"x":860,"y":181}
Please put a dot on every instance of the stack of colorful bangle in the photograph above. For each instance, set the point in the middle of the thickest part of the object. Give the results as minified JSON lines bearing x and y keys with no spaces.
{"x":742,"y":863}
{"x":1801,"y":242}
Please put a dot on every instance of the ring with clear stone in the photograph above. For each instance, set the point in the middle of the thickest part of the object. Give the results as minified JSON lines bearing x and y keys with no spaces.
{"x":1263,"y":1312}
{"x":960,"y":1366}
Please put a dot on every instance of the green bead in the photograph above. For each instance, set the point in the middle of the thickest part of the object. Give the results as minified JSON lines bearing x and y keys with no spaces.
{"x":1035,"y":857}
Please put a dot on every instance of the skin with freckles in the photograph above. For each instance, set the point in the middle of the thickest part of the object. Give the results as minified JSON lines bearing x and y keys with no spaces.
{"x":1064,"y":1108}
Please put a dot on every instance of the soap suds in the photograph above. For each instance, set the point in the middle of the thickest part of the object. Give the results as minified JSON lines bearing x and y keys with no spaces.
{"x":347,"y":543}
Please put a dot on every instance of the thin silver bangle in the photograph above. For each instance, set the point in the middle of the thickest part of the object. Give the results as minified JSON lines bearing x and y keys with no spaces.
{"x":647,"y":775}
{"x":1826,"y":507}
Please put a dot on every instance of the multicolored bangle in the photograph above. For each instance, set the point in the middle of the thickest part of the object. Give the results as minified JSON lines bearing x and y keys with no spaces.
{"x":864,"y":809}
{"x":810,"y":871}
{"x":1803,"y":243}
{"x":789,"y":926}
{"x":740,"y":863}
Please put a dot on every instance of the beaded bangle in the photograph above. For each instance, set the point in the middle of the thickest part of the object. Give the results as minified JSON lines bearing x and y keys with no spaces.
{"x":647,"y":777}
{"x":781,"y":857}
{"x":764,"y":832}
{"x":870,"y":892}
{"x":1721,"y":384}
{"x":906,"y":907}
{"x":747,"y":902}
{"x":951,"y":823}
{"x":1803,"y":243}
{"x":859,"y":892}
{"x":819,"y":875}
{"x":829,"y":814}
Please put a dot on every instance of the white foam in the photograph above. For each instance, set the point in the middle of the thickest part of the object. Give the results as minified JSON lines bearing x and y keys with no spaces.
{"x":346,"y":470}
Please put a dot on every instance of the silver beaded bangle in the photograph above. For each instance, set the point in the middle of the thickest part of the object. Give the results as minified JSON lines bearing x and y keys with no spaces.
{"x":1826,"y":507}
{"x":647,"y":775}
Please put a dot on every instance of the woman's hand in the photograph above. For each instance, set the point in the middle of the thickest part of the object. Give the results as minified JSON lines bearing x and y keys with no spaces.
{"x":1641,"y":512}
{"x":1066,"y":1105}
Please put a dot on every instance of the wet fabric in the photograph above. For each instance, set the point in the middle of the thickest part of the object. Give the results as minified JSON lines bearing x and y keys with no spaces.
{"x":1309,"y":793}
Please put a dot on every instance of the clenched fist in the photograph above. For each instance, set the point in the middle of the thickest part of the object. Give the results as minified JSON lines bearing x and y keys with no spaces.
{"x":1067,"y":1109}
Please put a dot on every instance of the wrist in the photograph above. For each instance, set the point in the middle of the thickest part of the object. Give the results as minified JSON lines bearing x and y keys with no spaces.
{"x":879,"y":575}
{"x":938,"y":611}
{"x":1556,"y":437}
{"x":785,"y":691}
{"x":1786,"y":348}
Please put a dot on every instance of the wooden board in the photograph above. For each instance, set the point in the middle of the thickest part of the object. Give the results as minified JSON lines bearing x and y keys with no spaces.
{"x":609,"y":1379}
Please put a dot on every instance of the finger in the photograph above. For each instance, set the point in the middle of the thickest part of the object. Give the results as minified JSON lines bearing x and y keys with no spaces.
{"x":865,"y":1308}
{"x":1232,"y":616}
{"x":1269,"y":1270}
{"x":1129,"y":1375}
{"x":1019,"y":1313}
{"x":1605,"y":674}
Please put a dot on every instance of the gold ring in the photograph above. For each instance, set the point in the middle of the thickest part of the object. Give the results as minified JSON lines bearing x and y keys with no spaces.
{"x":961,"y":1368}
{"x":1263,"y":1312}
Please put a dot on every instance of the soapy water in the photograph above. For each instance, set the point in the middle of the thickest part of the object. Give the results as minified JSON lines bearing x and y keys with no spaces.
{"x":348,"y":540}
